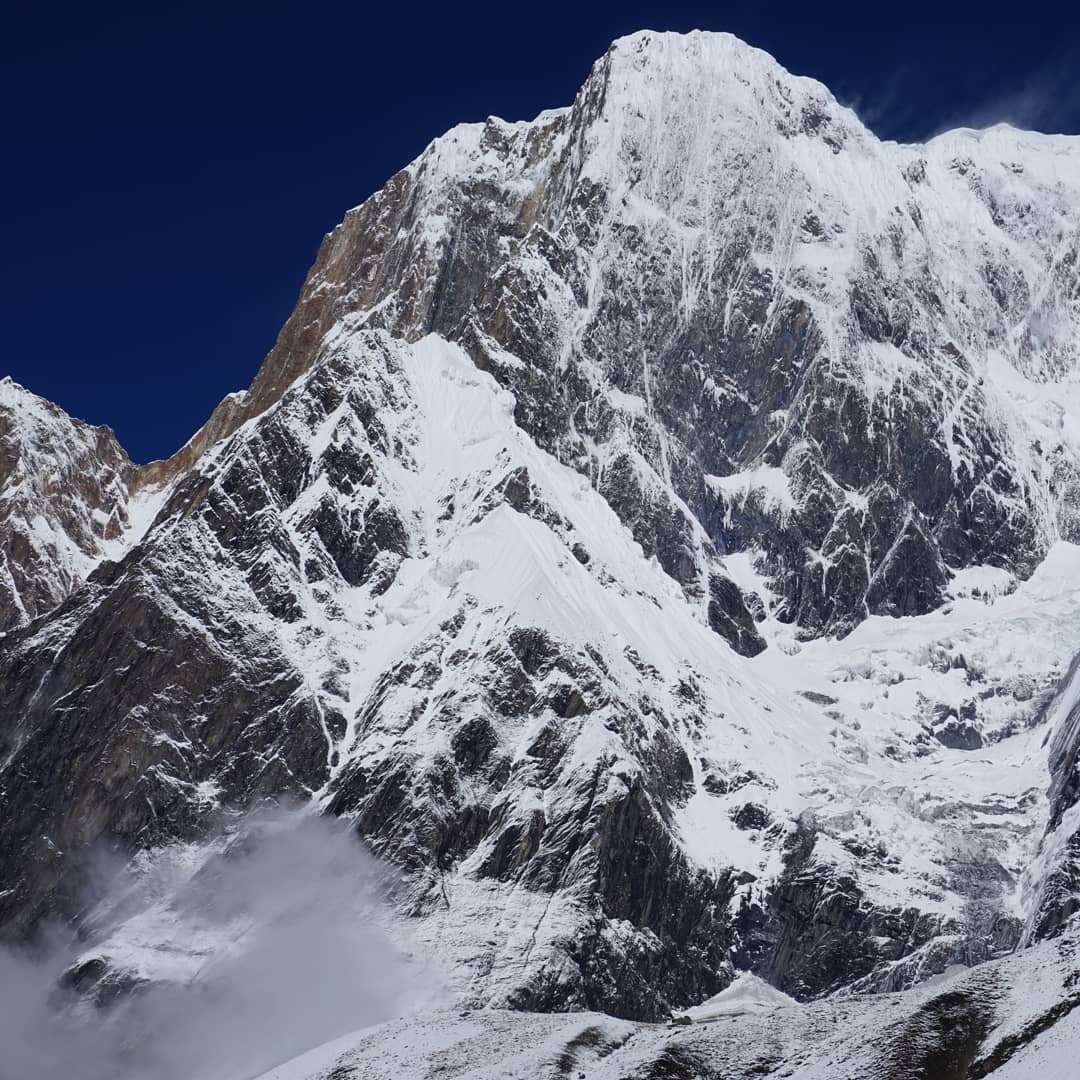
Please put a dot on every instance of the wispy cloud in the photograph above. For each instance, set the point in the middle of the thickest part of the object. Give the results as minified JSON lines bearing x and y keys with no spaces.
{"x":886,"y":108}
{"x":1047,"y":99}
{"x":911,"y":103}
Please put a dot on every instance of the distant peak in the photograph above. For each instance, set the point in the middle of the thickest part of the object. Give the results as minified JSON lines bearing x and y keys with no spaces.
{"x":35,"y":409}
{"x":12,"y":392}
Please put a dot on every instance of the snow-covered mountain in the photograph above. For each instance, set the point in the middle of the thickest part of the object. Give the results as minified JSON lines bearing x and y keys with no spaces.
{"x":655,"y":528}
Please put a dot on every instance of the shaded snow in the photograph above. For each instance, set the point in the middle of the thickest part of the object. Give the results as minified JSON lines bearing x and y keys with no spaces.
{"x":747,"y":994}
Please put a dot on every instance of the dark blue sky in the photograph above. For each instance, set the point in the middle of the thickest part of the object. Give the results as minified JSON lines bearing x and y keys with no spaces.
{"x":169,"y":170}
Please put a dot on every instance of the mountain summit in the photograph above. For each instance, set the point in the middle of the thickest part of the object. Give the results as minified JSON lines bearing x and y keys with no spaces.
{"x":654,"y":529}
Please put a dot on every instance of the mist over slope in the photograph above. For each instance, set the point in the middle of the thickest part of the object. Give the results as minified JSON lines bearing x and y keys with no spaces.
{"x":214,"y":961}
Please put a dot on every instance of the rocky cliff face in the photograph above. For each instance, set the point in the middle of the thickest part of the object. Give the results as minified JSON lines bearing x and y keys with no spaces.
{"x":706,"y":269}
{"x":652,"y":528}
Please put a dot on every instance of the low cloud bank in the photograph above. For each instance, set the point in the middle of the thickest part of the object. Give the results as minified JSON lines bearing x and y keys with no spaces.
{"x":213,"y":963}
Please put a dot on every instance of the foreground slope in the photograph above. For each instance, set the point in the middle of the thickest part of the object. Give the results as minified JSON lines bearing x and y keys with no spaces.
{"x":1012,"y":1020}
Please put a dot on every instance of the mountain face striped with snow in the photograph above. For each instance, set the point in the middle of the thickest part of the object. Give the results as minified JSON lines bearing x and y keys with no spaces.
{"x":654,"y":528}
